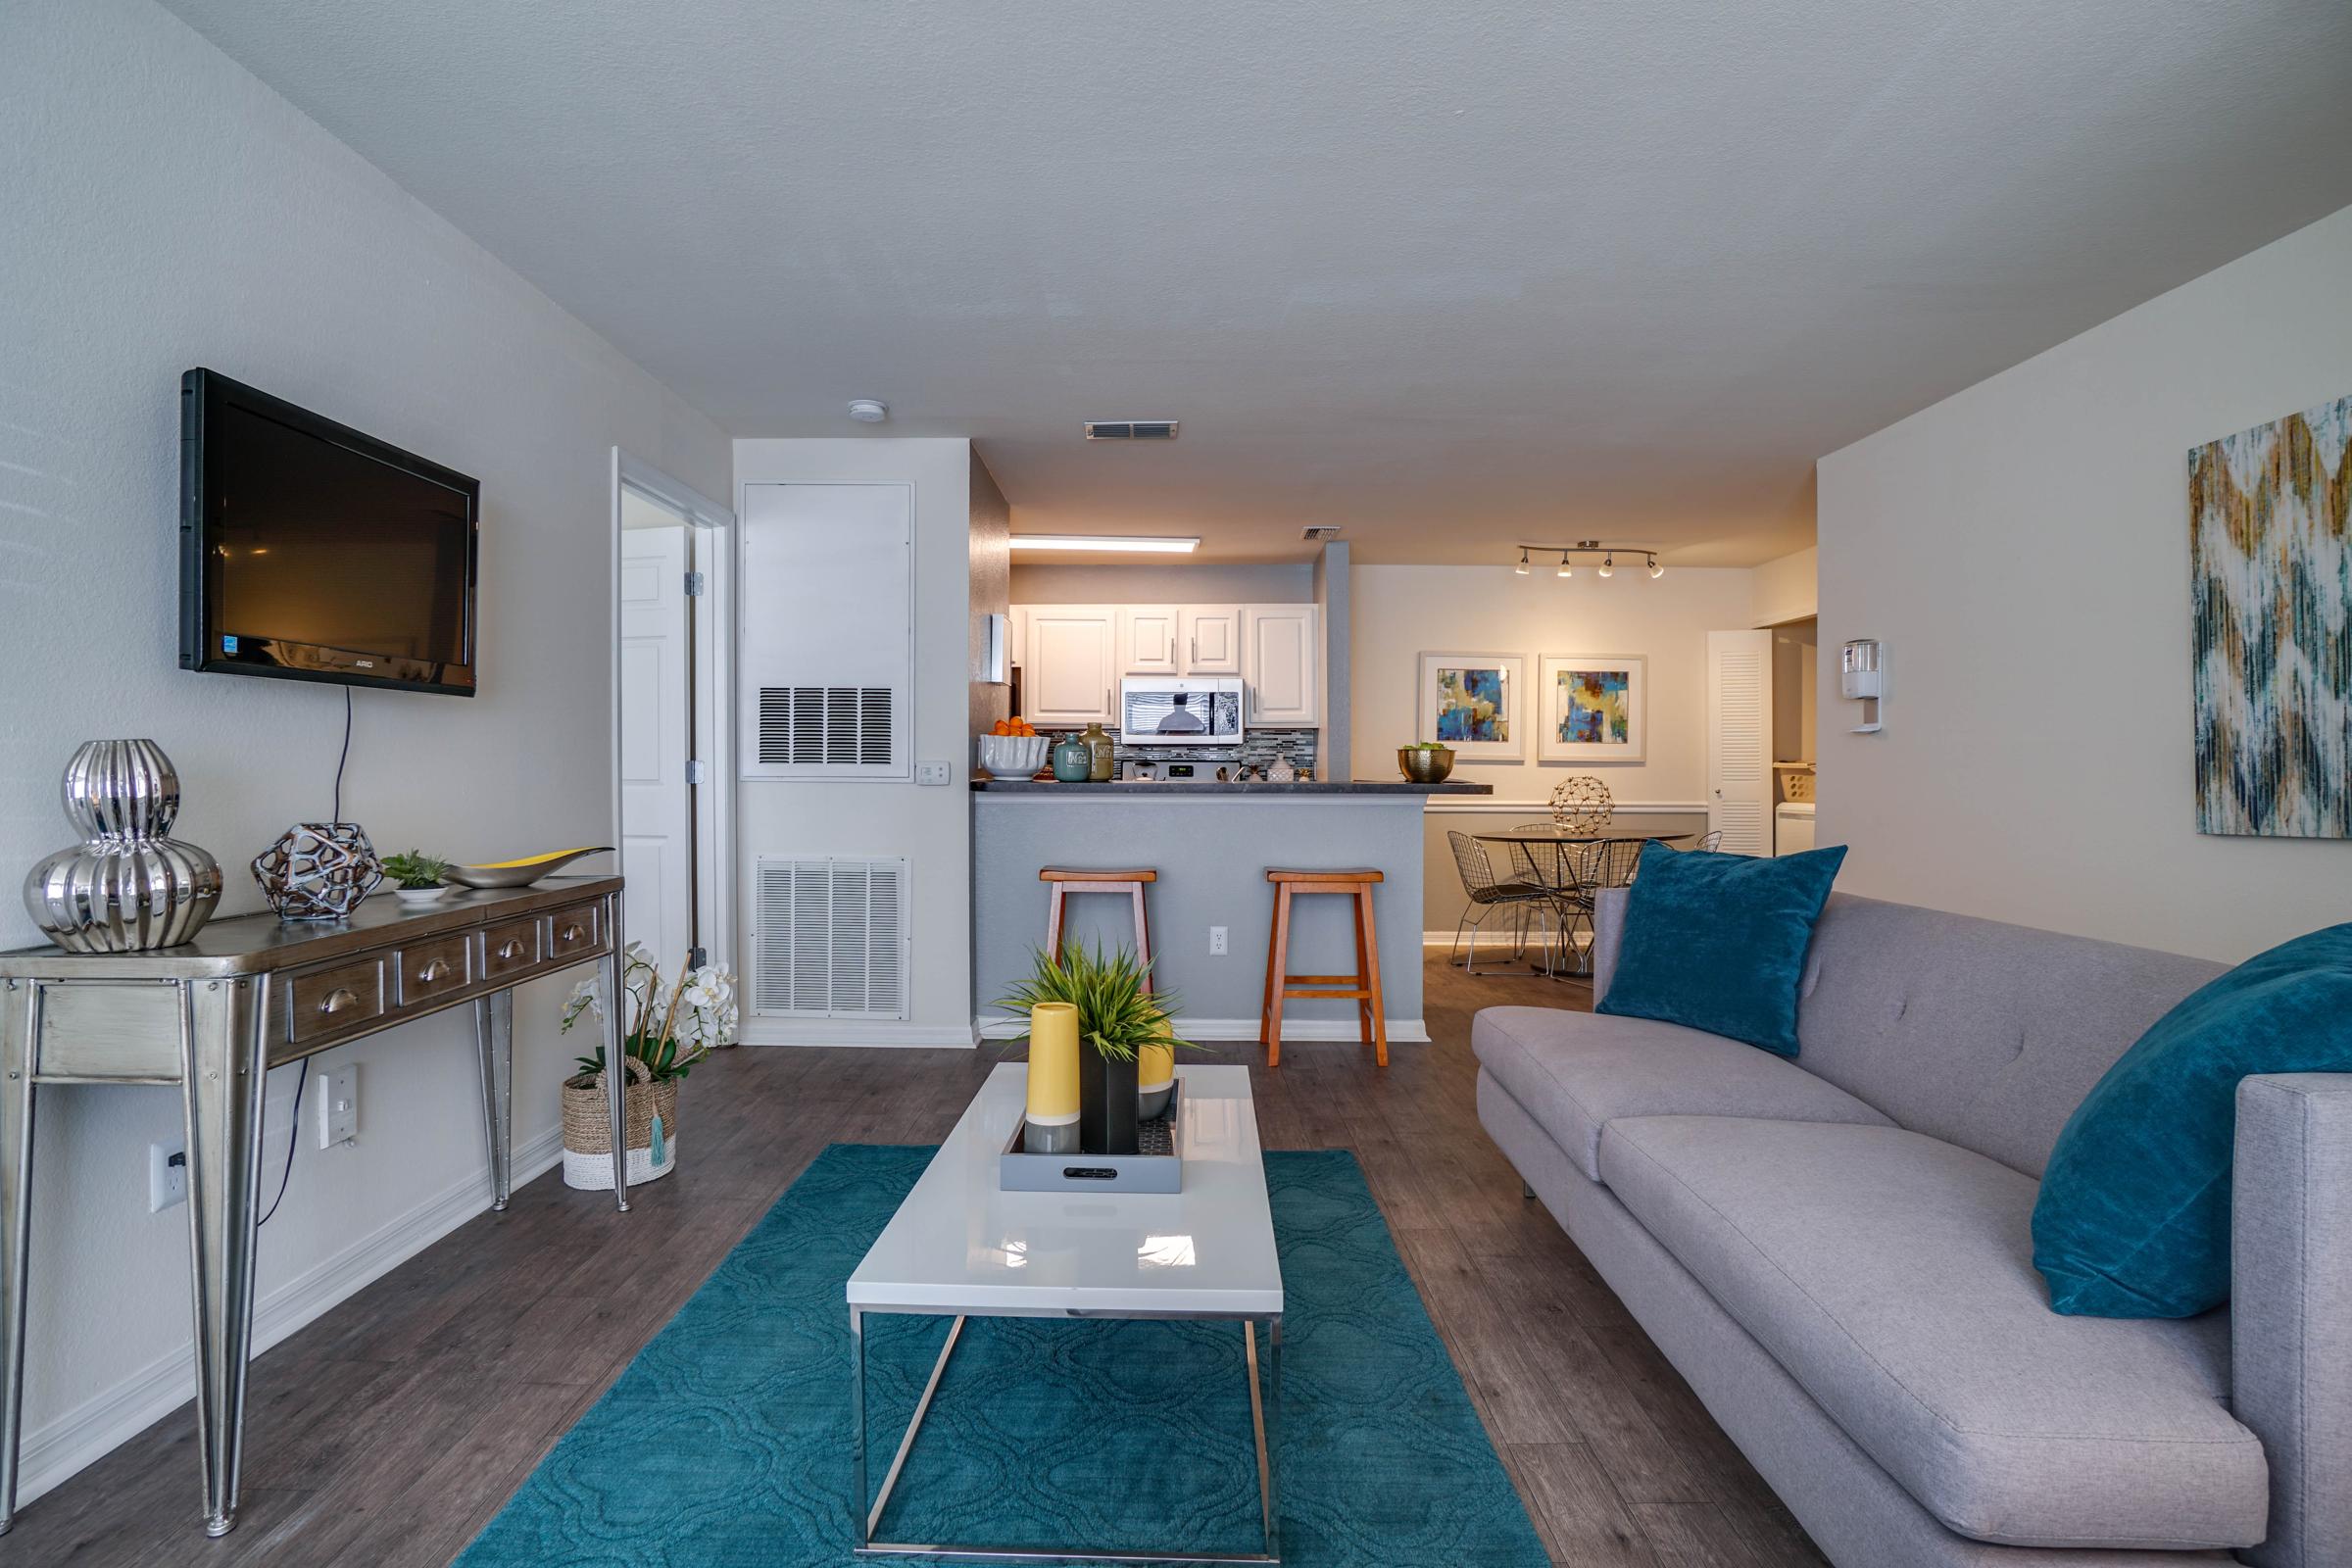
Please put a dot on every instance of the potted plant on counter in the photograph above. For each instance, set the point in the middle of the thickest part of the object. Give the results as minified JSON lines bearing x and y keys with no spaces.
{"x":416,"y":877}
{"x":667,"y":1030}
{"x":1425,"y":762}
{"x":1121,"y":1023}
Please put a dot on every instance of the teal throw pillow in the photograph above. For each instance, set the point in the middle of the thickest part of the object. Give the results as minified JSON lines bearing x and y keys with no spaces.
{"x":2133,"y":1216}
{"x":1717,"y":942}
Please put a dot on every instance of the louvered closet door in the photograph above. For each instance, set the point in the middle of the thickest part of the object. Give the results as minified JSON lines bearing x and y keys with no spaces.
{"x":1739,"y":740}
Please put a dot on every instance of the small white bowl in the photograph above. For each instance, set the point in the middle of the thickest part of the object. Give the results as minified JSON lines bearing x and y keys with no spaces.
{"x":419,"y":896}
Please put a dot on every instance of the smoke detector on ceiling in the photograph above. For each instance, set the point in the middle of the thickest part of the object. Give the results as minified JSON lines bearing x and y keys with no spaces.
{"x":868,"y":411}
{"x":1315,"y":533}
{"x":1131,"y":429}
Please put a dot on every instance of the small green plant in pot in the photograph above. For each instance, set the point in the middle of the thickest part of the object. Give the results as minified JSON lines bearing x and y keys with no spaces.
{"x":416,"y":877}
{"x":1120,"y":1020}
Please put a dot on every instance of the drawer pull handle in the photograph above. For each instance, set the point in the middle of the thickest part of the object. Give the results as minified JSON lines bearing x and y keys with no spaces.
{"x":338,"y":1001}
{"x":572,"y":933}
{"x":433,"y":970}
{"x":511,"y":949}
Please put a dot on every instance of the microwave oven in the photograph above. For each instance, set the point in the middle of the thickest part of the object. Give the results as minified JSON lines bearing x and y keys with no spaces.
{"x":1162,"y":711}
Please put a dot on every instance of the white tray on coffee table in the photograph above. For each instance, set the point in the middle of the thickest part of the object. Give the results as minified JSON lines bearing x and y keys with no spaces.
{"x":960,"y":1246}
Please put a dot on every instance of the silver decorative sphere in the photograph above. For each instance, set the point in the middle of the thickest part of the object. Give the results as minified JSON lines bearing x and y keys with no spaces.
{"x":1582,"y":805}
{"x":128,"y":886}
{"x":317,"y":870}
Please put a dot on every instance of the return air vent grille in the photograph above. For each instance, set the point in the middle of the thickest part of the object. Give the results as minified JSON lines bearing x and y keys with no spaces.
{"x":828,"y":726}
{"x":832,"y":939}
{"x":1131,"y":429}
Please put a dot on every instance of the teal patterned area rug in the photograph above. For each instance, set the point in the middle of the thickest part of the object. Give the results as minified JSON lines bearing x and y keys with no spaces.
{"x":726,"y":1442}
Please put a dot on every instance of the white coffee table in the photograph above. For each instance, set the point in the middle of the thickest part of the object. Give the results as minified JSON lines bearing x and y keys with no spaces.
{"x":958,"y":1247}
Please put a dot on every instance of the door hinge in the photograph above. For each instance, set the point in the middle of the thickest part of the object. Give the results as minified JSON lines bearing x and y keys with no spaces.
{"x":695,"y":585}
{"x":696,"y":772}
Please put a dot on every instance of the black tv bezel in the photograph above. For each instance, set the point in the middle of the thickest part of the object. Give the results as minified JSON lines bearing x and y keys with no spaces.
{"x":200,"y":636}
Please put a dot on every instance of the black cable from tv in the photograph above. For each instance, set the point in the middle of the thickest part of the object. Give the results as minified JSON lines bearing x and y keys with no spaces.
{"x":344,"y":757}
{"x":293,"y":1137}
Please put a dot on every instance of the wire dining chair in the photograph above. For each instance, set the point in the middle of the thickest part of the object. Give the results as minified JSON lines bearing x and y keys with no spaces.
{"x":1520,"y":896}
{"x":1708,"y":843}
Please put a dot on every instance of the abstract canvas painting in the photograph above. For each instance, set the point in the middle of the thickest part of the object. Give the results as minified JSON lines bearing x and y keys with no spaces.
{"x":2271,"y":584}
{"x":1591,"y":708}
{"x":1470,"y":703}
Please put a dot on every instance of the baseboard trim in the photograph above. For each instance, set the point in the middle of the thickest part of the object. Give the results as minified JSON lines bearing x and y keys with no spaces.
{"x":1401,"y":1031}
{"x":852,"y":1032}
{"x":60,"y":1448}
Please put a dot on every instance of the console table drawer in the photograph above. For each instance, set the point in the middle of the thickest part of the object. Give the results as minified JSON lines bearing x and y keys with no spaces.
{"x":435,"y":968}
{"x":509,"y":948}
{"x":329,"y":1001}
{"x":572,"y":932}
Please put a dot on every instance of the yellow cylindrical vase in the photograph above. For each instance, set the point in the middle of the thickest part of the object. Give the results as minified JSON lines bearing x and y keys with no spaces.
{"x":1052,"y":1115}
{"x":1154,"y":1076}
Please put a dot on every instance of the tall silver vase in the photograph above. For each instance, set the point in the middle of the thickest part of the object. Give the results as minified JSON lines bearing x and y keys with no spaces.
{"x":128,"y":885}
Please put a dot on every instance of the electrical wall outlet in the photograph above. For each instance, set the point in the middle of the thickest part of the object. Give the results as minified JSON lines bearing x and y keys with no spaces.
{"x":1216,"y":942}
{"x":935,"y":772}
{"x":167,"y":1175}
{"x":338,"y":1106}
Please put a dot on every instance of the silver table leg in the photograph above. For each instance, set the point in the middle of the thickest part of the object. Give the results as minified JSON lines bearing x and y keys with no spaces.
{"x":860,"y":1526}
{"x":222,"y":1024}
{"x":494,"y":1041}
{"x":616,"y":1060}
{"x":16,"y":1216}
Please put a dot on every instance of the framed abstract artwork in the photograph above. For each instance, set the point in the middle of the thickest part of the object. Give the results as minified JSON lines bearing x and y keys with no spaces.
{"x":1591,"y":708}
{"x":2269,"y":540}
{"x":1472,"y":702}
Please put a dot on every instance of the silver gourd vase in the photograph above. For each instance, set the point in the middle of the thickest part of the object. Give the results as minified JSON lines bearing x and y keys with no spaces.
{"x":128,"y":886}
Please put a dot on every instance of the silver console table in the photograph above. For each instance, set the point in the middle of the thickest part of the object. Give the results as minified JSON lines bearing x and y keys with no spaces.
{"x":212,"y":1018}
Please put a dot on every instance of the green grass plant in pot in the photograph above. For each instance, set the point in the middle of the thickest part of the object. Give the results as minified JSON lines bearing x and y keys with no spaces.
{"x":418,"y":877}
{"x":1119,"y":1019}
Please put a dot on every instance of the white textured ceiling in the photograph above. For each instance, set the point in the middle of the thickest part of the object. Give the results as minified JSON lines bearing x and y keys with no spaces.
{"x":1446,"y":275}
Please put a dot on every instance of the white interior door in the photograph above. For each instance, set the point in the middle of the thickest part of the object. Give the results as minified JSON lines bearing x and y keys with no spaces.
{"x":1739,"y":740}
{"x":657,"y":730}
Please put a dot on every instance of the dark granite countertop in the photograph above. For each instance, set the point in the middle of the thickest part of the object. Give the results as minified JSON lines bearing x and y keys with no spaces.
{"x":1149,"y":787}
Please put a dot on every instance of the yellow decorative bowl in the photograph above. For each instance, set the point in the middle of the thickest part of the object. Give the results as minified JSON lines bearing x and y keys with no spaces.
{"x":520,"y":873}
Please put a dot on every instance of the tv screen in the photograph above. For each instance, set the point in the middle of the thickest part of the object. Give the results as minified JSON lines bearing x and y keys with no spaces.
{"x":312,"y":552}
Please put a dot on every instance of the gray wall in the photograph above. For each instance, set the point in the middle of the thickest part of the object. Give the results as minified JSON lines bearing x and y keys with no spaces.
{"x":1129,"y":584}
{"x":1333,"y":592}
{"x":1211,"y":853}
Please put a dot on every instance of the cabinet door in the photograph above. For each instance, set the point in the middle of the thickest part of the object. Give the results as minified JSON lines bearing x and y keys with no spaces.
{"x":1210,"y":639}
{"x":1282,"y":665}
{"x":1073,"y":666}
{"x":1148,"y":640}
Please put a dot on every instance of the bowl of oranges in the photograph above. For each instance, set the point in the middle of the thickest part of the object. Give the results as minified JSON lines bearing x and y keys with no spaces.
{"x":1012,"y":749}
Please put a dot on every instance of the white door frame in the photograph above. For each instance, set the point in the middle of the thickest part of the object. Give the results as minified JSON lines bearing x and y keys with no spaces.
{"x":710,"y":532}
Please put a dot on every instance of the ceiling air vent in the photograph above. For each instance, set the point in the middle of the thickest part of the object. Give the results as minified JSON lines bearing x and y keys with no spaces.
{"x":1131,"y":429}
{"x":1315,"y":533}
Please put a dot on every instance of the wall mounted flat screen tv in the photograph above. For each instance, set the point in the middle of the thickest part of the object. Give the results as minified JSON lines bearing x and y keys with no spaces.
{"x":312,"y":552}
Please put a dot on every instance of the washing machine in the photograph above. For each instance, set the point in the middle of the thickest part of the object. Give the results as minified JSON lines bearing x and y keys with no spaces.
{"x":1791,"y":827}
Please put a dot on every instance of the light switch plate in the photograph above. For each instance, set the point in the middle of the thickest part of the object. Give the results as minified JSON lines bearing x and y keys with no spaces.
{"x":935,"y":772}
{"x":338,"y":1106}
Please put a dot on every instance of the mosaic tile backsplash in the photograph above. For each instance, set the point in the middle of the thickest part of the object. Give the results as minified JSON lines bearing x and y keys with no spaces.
{"x":1258,"y":748}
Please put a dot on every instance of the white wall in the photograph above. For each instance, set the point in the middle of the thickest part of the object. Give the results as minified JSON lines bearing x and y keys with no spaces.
{"x":1161,"y":583}
{"x":1787,"y":589}
{"x":2023,"y":549}
{"x":166,"y":210}
{"x":931,"y":826}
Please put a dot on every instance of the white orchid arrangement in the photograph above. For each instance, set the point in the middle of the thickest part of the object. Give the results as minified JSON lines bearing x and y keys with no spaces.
{"x":668,"y":1028}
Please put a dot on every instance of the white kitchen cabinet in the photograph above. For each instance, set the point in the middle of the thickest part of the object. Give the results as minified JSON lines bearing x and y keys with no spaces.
{"x":1148,"y":640}
{"x":1281,"y":666}
{"x":1210,"y":639}
{"x":1073,"y":667}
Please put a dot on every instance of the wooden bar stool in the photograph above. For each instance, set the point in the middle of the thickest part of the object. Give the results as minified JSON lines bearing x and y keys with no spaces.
{"x":1066,"y":879}
{"x":1364,"y":986}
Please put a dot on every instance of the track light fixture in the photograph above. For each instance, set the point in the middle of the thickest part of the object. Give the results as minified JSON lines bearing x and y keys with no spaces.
{"x":1602,"y":556}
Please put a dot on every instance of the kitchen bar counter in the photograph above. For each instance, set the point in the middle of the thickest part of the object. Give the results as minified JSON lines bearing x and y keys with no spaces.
{"x":1210,"y":786}
{"x":1211,"y":845}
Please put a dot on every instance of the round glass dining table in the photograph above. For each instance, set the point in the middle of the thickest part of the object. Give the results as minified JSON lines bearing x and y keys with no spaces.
{"x":1536,"y":837}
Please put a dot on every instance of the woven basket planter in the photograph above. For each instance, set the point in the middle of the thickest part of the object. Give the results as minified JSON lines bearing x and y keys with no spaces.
{"x":588,"y":1129}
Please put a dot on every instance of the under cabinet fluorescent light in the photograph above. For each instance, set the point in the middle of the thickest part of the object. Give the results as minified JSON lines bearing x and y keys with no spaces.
{"x":1104,"y":541}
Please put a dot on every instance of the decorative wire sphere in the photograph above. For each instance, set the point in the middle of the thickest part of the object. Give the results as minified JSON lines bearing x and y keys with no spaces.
{"x":317,"y":870}
{"x":1582,"y":805}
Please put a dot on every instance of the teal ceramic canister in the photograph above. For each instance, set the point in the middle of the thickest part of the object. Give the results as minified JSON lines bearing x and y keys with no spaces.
{"x":1073,"y":759}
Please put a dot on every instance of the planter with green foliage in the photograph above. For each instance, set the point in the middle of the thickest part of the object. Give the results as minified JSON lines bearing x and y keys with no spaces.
{"x":1120,"y":1017}
{"x":416,"y":877}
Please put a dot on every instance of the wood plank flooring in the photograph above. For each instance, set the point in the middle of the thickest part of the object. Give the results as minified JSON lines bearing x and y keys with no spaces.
{"x":389,"y":1431}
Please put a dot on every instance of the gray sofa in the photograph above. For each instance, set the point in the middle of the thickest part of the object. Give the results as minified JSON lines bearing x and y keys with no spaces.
{"x":1835,"y":1253}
